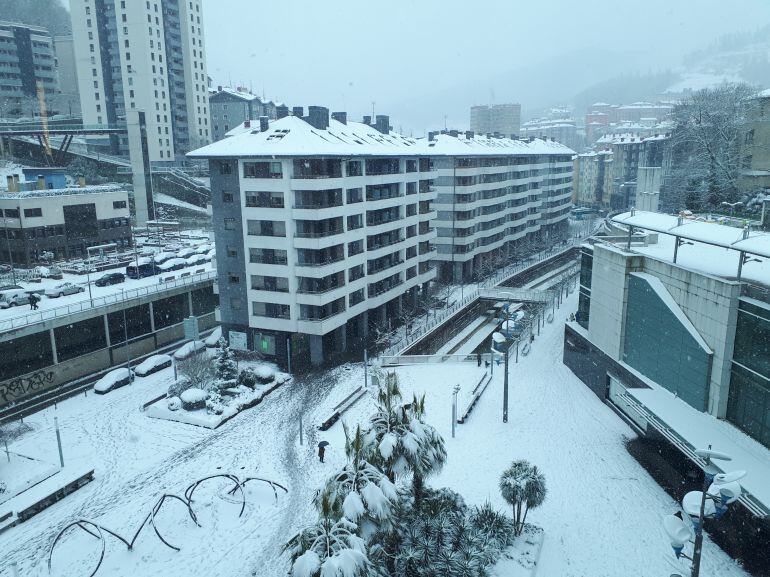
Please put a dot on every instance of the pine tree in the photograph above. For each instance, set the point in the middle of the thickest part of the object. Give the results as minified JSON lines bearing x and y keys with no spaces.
{"x":225,"y":371}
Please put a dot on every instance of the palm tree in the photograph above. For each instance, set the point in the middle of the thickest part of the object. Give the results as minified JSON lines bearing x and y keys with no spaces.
{"x":523,"y":487}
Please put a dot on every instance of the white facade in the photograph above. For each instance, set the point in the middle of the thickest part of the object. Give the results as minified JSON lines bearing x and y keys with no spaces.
{"x":493,"y":192}
{"x":144,"y":56}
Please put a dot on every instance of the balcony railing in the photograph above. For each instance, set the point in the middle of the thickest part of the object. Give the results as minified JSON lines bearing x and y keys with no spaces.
{"x":319,"y":234}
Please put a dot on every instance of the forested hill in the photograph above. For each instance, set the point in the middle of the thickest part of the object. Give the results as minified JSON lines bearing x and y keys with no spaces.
{"x":50,"y":14}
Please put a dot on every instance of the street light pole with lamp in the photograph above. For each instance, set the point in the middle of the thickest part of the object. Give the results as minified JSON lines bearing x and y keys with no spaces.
{"x":500,"y":339}
{"x":719,"y":491}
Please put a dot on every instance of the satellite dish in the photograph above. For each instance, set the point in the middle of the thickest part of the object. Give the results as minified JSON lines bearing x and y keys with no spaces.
{"x":709,"y":454}
{"x":679,"y":533}
{"x":691,"y":505}
{"x":732,"y":476}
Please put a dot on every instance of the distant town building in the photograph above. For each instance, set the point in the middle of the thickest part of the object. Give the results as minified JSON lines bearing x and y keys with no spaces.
{"x":755,"y":146}
{"x":231,"y":107}
{"x":323,"y":228}
{"x":494,"y":196}
{"x":28,"y":75}
{"x":502,"y":119}
{"x":593,"y":179}
{"x":643,"y":118}
{"x":562,"y":129}
{"x":63,"y":221}
{"x":147,"y":57}
{"x":629,"y":153}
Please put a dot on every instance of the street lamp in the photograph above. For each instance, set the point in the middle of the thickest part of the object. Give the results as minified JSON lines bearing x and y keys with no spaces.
{"x":125,"y":335}
{"x":500,"y":339}
{"x":454,"y":408}
{"x":719,"y":491}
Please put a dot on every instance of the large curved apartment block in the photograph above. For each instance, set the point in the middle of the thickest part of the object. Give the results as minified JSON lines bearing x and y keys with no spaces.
{"x":494,"y":195}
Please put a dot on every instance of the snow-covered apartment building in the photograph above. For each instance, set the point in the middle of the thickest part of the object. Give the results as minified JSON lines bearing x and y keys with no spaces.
{"x":673,"y":330}
{"x":148,"y":56}
{"x":495,"y":193}
{"x":323,"y":227}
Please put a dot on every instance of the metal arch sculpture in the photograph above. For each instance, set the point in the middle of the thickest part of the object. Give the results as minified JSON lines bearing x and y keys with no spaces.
{"x":99,"y":530}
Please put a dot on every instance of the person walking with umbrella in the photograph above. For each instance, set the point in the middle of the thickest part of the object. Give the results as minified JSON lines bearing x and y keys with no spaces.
{"x":322,"y":449}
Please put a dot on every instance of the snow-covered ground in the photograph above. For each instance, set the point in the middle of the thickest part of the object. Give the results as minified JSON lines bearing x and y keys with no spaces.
{"x":602,"y":516}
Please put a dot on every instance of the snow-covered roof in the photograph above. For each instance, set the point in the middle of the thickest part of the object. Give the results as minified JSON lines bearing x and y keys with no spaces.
{"x":91,"y":189}
{"x":630,"y":138}
{"x":699,"y":430}
{"x":720,"y":235}
{"x":292,"y":136}
{"x":247,"y":96}
{"x":764,"y":94}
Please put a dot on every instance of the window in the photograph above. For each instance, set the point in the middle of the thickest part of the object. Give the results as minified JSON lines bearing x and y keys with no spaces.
{"x":233,"y":278}
{"x":229,"y":224}
{"x":264,"y":199}
{"x":270,"y":283}
{"x":119,"y":204}
{"x":236,"y":303}
{"x":32,"y":212}
{"x":267,"y":256}
{"x":262,"y":170}
{"x":227,"y":197}
{"x":266,"y":228}
{"x":232,"y":252}
{"x":270,"y":310}
{"x":225,"y":168}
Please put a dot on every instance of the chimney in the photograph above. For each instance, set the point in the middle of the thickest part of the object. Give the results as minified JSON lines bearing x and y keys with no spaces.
{"x":81,"y":181}
{"x":367,"y":120}
{"x":298,"y":111}
{"x":219,"y":89}
{"x":247,"y":123}
{"x":489,"y":135}
{"x":431,"y":136}
{"x":264,"y":123}
{"x":340,"y":117}
{"x":318,"y":117}
{"x":453,"y":133}
{"x":40,"y":182}
{"x":469,"y":135}
{"x":11,"y":184}
{"x":382,"y":123}
{"x":281,"y":111}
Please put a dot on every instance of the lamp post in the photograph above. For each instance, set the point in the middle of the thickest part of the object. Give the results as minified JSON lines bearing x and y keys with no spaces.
{"x":719,"y":491}
{"x":500,"y":339}
{"x":454,"y":408}
{"x":8,"y":244}
{"x":125,"y":337}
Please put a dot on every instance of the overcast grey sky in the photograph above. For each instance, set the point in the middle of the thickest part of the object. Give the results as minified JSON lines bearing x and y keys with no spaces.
{"x":347,"y":53}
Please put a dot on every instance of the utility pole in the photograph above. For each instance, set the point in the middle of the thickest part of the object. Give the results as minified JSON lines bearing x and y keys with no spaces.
{"x":454,"y":408}
{"x":505,"y":385}
{"x":58,"y":440}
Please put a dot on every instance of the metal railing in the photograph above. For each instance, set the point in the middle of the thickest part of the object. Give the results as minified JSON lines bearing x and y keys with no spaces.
{"x":90,"y":304}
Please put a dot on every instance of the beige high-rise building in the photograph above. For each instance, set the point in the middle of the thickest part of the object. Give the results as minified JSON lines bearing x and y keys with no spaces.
{"x":504,"y":119}
{"x":147,"y":57}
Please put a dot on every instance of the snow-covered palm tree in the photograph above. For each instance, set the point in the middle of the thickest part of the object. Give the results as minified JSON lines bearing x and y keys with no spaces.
{"x":361,"y":491}
{"x":523,"y":487}
{"x":401,"y":441}
{"x":330,"y":548}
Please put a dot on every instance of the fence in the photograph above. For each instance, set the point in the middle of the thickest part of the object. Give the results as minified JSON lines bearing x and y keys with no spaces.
{"x":88,"y":304}
{"x":390,"y":361}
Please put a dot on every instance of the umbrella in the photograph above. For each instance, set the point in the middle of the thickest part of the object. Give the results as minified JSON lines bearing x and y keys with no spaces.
{"x":323,"y":444}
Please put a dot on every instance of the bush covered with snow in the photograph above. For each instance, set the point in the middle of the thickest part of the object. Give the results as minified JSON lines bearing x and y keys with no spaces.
{"x":248,"y":378}
{"x":215,"y":405}
{"x":194,"y":399}
{"x":174,"y":403}
{"x":176,"y":388}
{"x":265,"y":374}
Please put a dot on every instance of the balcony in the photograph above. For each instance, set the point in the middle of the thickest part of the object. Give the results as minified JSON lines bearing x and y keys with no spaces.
{"x":319,"y":233}
{"x":379,"y":267}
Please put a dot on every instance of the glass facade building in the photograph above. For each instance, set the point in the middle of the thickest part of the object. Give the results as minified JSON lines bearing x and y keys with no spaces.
{"x":749,"y":400}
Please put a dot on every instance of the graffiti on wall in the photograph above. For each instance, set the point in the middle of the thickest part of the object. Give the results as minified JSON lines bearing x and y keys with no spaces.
{"x":21,"y":387}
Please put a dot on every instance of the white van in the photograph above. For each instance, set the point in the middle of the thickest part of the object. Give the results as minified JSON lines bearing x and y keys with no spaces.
{"x":13,"y":298}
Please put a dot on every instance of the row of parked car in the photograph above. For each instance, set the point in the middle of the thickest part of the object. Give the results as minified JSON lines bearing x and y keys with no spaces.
{"x":167,"y":261}
{"x":123,"y":376}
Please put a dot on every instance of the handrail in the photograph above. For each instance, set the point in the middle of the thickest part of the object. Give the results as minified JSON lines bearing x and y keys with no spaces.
{"x":89,"y":304}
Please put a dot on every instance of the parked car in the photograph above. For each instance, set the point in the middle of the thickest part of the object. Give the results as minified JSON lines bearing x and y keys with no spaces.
{"x":63,"y":289}
{"x":111,"y":278}
{"x":189,"y":349}
{"x":195,"y":259}
{"x":152,"y":365}
{"x":9,"y":287}
{"x":185,"y":253}
{"x":173,"y":264}
{"x":4,"y":268}
{"x":14,"y":298}
{"x":145,"y":267}
{"x":162,"y":257}
{"x":213,"y":339}
{"x":113,"y":380}
{"x":203,"y":249}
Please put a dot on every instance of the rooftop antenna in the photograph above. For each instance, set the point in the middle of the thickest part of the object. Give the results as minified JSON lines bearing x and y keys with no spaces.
{"x":445,"y":128}
{"x":373,"y":103}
